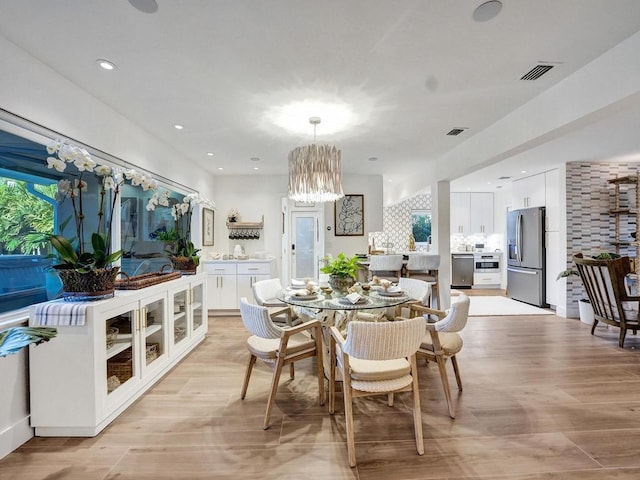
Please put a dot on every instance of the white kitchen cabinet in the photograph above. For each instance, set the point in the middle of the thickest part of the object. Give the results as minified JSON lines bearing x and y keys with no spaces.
{"x":78,"y":385}
{"x":250,"y":273}
{"x":222,"y":292}
{"x":481,"y":212}
{"x":229,"y":280}
{"x":460,"y":214}
{"x":486,"y":279}
{"x":554,"y":265}
{"x":528,"y":192}
{"x":471,"y":212}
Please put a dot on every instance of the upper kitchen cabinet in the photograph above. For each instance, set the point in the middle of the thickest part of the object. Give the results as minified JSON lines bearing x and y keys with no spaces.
{"x":481,"y":212}
{"x":471,"y":213}
{"x":528,"y":192}
{"x":552,"y":200}
{"x":460,"y":218}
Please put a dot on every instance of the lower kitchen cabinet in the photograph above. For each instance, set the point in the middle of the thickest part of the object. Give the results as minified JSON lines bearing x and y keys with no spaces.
{"x":84,"y":378}
{"x":486,"y":280}
{"x":229,"y":280}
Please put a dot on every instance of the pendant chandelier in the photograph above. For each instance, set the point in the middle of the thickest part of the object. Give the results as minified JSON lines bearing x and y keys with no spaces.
{"x":315,"y":171}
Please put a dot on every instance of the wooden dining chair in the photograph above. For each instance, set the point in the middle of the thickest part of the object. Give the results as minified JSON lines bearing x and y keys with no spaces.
{"x":442,"y":341}
{"x":279,"y":346}
{"x":265,"y":293}
{"x":376,"y":359}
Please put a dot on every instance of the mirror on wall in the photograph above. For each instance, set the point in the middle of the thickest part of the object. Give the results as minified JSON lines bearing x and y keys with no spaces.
{"x":30,"y":213}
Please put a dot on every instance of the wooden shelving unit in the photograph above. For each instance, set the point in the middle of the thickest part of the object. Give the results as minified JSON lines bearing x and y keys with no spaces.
{"x":626,"y":208}
{"x":245,"y":230}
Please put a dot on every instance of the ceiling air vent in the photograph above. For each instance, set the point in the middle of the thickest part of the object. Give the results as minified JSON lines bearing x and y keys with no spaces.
{"x":536,"y":72}
{"x":455,"y":131}
{"x":503,"y":178}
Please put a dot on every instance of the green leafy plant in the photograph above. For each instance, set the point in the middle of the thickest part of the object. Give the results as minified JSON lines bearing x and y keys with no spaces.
{"x":14,"y":339}
{"x":341,"y":266}
{"x":601,"y":256}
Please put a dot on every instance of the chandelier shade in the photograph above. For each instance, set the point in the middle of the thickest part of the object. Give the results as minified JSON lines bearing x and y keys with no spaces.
{"x":315,"y":174}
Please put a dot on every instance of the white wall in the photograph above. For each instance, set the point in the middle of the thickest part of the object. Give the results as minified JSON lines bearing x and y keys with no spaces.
{"x":255,"y":195}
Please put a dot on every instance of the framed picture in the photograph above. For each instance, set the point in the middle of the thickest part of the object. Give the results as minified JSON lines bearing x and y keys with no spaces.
{"x":349,"y":215}
{"x":207,"y":226}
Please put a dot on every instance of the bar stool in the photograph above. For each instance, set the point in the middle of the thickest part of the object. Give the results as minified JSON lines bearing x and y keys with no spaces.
{"x":425,"y":267}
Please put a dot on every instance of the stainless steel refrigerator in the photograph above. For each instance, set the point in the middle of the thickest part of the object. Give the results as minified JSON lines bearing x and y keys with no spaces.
{"x":526,"y":256}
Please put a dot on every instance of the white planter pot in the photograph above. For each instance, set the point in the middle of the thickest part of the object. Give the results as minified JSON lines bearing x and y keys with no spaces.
{"x":586,"y":312}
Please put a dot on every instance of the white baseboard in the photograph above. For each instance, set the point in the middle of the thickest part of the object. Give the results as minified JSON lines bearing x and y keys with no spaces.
{"x":14,"y":436}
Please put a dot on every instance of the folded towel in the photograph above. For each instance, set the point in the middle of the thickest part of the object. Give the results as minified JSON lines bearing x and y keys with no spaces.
{"x":300,"y":293}
{"x":353,"y":297}
{"x":60,"y":312}
{"x":297,"y":283}
{"x":394,"y":289}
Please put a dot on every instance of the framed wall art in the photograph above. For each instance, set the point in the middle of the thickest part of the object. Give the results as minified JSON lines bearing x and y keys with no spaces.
{"x":207,"y":227}
{"x":349,"y":216}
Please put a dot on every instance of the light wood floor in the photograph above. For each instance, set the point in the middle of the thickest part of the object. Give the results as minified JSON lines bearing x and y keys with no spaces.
{"x":543,"y":399}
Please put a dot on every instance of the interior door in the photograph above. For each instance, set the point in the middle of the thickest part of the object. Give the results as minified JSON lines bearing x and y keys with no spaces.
{"x":305,"y":239}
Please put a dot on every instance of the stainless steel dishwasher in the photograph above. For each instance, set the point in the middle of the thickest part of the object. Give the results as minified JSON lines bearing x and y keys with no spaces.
{"x":461,"y":270}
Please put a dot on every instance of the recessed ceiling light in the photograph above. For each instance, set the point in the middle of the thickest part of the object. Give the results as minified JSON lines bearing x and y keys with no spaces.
{"x":389,"y":180}
{"x":106,"y":64}
{"x":488,"y":183}
{"x":256,"y":168}
{"x":373,"y":159}
{"x":254,"y":159}
{"x":220,"y":168}
{"x":210,"y":154}
{"x":487,"y":11}
{"x":177,"y":126}
{"x":523,"y":171}
{"x":145,"y":6}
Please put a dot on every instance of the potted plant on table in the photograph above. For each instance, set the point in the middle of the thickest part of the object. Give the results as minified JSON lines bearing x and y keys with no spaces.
{"x":86,"y":260}
{"x":342,"y":272}
{"x":177,"y":240}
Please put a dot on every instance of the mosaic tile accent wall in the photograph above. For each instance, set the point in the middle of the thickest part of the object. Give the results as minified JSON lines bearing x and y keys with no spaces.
{"x":590,"y":226}
{"x":397,"y":222}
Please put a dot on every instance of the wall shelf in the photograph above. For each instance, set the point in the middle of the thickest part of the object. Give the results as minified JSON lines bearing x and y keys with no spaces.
{"x":625,"y":212}
{"x":245,"y":230}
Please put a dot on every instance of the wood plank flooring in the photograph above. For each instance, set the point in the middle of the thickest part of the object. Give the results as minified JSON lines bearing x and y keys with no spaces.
{"x":543,"y":400}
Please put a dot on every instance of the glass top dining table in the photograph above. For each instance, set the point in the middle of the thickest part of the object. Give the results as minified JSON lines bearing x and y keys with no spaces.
{"x":375,"y":299}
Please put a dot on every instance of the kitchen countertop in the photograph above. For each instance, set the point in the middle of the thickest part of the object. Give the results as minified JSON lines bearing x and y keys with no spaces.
{"x":235,"y":260}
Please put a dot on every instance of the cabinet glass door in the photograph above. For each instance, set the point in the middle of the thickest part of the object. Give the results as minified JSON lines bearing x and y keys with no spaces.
{"x":154,"y":323}
{"x":120,"y":345}
{"x":180,"y":325}
{"x":197,"y":309}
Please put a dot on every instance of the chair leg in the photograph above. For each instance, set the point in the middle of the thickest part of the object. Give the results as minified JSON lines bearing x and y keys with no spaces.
{"x":417,"y":413}
{"x":445,"y":384}
{"x":348,"y":416}
{"x":623,"y":333}
{"x":436,"y":295}
{"x":390,"y":399}
{"x":292,"y":371}
{"x":320,"y":366}
{"x":593,"y":327}
{"x":454,"y":362}
{"x":332,"y":376}
{"x":247,"y":375}
{"x":274,"y":388}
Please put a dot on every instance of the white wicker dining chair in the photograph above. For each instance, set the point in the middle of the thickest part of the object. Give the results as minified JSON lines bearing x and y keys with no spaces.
{"x":279,"y":346}
{"x":425,"y":267}
{"x":442,"y":341}
{"x":265,"y":293}
{"x":386,"y":266}
{"x":376,"y":358}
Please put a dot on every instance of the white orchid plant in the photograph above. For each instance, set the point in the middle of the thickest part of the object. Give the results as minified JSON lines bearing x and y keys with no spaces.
{"x":72,"y":252}
{"x":177,"y":240}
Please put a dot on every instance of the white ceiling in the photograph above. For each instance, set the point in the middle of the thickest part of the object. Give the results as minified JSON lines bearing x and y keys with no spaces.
{"x":411,"y":70}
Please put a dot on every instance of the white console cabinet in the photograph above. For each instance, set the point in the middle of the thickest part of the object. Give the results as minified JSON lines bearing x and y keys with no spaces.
{"x":229,"y":280}
{"x":79,"y":383}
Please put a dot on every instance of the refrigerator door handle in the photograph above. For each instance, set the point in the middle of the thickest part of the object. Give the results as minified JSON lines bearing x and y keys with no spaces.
{"x":519,"y":237}
{"x":526,"y":272}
